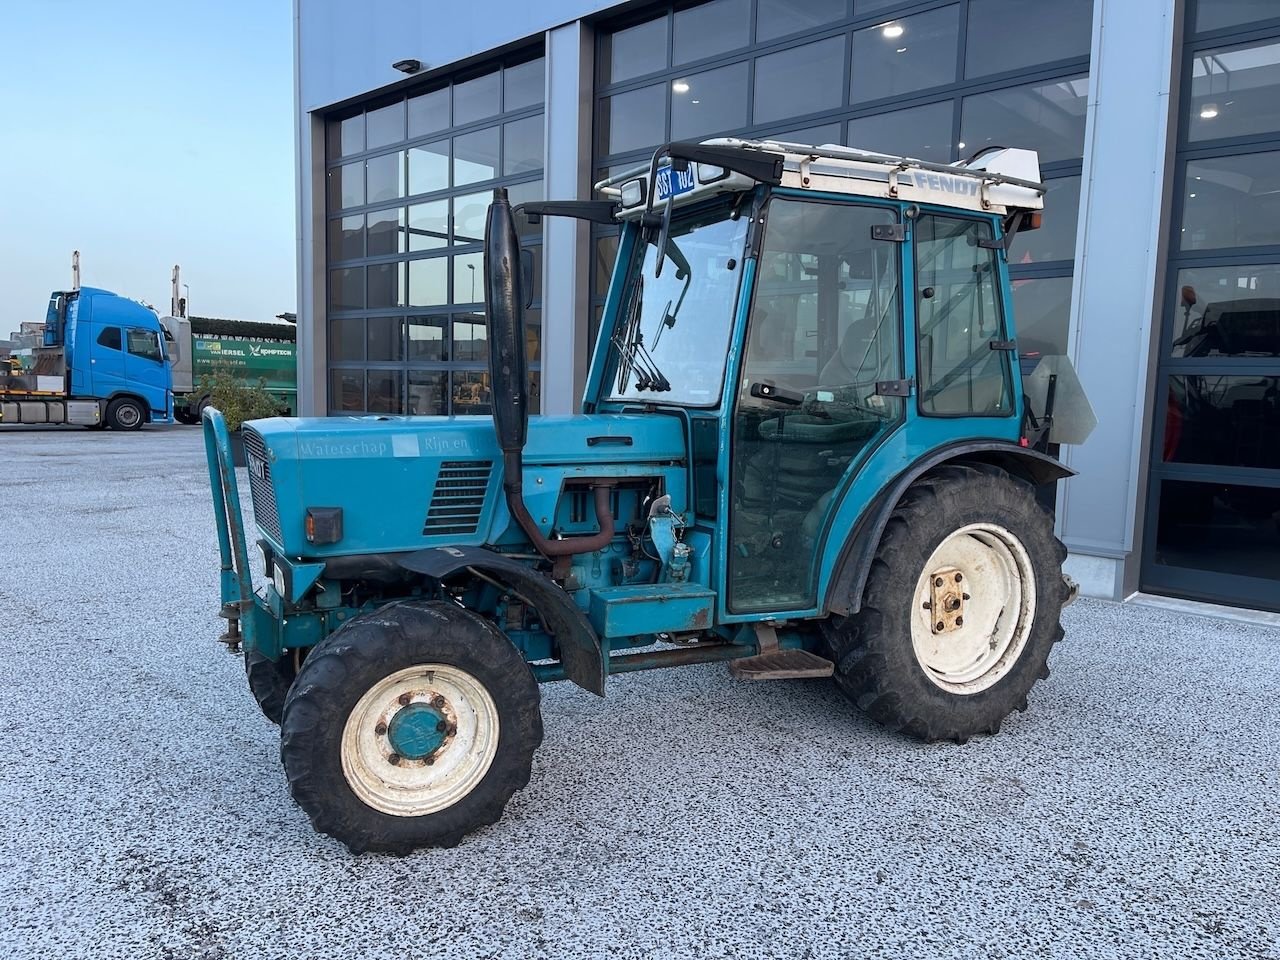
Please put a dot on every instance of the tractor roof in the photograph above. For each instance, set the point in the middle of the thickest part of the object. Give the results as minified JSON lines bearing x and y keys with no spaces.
{"x":996,"y":180}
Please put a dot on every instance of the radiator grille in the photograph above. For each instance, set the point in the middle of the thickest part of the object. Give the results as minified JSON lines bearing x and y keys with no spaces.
{"x":260,"y":488}
{"x":458,"y":499}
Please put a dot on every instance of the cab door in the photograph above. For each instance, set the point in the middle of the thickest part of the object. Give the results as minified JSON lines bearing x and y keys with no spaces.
{"x":818,"y":389}
{"x":145,"y":366}
{"x":106,"y":367}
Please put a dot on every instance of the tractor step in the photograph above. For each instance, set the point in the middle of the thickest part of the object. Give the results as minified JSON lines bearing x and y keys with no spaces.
{"x":782,"y":665}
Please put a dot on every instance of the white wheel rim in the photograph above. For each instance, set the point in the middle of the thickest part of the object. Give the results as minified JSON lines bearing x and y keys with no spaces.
{"x":997,"y":596}
{"x":414,"y":787}
{"x":128,"y":414}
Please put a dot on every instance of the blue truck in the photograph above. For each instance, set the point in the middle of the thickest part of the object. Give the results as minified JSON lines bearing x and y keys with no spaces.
{"x":98,"y":360}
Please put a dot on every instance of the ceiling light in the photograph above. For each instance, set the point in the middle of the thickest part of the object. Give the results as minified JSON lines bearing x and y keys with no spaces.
{"x":961,"y":144}
{"x":695,"y":101}
{"x":902,"y":49}
{"x":892,"y":30}
{"x":1193,"y":196}
{"x":1208,"y":111}
{"x":680,"y":86}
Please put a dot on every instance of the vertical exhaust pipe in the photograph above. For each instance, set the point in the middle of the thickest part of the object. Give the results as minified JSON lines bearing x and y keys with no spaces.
{"x":509,"y":381}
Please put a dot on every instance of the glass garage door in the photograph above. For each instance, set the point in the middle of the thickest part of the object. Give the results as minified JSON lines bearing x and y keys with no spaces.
{"x":409,"y":183}
{"x":935,"y":80}
{"x":1213,"y":520}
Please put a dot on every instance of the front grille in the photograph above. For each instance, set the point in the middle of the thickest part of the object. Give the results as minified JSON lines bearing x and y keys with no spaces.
{"x":260,"y":488}
{"x":458,"y":499}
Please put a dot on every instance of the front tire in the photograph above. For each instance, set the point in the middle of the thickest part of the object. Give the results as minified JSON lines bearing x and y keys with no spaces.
{"x":269,"y":681}
{"x":961,"y":608}
{"x":125,"y":413}
{"x":410,"y":727}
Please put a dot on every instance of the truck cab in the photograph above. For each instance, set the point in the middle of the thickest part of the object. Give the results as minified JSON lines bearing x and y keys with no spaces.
{"x":100,"y":361}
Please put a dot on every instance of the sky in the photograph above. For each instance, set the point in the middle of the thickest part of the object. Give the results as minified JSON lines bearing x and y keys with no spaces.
{"x":145,"y":134}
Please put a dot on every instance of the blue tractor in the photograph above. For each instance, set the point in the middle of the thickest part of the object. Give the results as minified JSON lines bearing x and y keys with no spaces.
{"x":804,"y":448}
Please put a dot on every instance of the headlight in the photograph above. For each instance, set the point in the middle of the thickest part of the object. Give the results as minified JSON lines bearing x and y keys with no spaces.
{"x":709,"y":174}
{"x":632,"y":193}
{"x":278,"y":581}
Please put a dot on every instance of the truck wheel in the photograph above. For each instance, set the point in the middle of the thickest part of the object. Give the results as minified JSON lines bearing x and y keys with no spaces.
{"x":125,"y":413}
{"x":269,"y":682}
{"x":410,"y":727}
{"x":961,"y":607}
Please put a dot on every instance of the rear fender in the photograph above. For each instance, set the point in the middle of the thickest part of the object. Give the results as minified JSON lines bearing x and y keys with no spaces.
{"x":844,"y":595}
{"x":580,"y":650}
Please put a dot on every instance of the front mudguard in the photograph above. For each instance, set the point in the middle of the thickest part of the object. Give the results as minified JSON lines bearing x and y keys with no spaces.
{"x":581,"y":653}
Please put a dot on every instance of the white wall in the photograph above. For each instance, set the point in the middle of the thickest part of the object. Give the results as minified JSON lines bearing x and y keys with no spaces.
{"x":1119,"y":262}
{"x":347,"y":48}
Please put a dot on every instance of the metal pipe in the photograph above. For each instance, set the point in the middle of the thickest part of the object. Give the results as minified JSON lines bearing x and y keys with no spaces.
{"x":513,"y":485}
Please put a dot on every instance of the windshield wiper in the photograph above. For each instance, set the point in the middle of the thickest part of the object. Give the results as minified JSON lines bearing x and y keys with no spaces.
{"x":632,"y":355}
{"x":683,"y":272}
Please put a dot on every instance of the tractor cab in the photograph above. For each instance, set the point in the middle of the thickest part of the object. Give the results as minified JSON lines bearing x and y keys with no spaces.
{"x":821,"y":322}
{"x":805,"y":447}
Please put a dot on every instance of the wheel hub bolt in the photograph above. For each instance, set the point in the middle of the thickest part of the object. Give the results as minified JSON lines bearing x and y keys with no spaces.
{"x":941,"y":626}
{"x":380,"y":729}
{"x":404,"y":699}
{"x":959,"y":577}
{"x":438,"y":702}
{"x":442,"y":726}
{"x":937,"y":582}
{"x":394,"y":759}
{"x":959,"y":621}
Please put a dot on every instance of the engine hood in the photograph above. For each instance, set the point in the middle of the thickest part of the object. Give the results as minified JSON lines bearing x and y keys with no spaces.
{"x":394,"y":476}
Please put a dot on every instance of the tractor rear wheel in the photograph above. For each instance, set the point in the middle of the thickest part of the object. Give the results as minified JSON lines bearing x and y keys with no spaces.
{"x":961,"y":607}
{"x":410,"y":727}
{"x":269,"y":681}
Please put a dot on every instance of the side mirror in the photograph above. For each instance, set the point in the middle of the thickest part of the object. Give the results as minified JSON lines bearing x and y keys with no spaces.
{"x":526,"y":275}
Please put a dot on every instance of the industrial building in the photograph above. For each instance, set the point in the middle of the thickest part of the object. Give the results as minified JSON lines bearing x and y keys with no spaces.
{"x":1157,"y":270}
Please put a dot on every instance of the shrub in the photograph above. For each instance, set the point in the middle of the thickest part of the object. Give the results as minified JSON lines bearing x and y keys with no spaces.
{"x":237,"y":400}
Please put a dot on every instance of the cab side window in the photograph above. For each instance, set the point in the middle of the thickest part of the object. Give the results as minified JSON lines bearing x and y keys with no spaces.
{"x":144,"y":343}
{"x":958,"y":317}
{"x":110,"y":338}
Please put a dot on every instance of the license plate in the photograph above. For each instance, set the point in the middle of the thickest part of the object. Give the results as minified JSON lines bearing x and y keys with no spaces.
{"x":672,"y":183}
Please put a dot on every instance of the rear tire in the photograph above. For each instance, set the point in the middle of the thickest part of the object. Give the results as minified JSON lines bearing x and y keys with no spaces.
{"x":969,"y":535}
{"x":410,"y":727}
{"x":125,"y":413}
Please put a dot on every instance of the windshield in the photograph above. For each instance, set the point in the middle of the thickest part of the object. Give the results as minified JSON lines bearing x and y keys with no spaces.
{"x":672,"y":337}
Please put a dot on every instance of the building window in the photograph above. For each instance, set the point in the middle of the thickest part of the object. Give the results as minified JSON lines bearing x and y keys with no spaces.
{"x":1213,"y":521}
{"x":409,"y":184}
{"x":933,"y":80}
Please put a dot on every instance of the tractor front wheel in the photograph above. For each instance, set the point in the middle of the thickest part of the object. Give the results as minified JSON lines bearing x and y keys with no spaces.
{"x":961,"y":607}
{"x":269,"y":681}
{"x":410,"y":727}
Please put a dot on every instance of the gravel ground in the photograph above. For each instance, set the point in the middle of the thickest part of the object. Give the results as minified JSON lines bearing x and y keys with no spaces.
{"x":1131,"y":812}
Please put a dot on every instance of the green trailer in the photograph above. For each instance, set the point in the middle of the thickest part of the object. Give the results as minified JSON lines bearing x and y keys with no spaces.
{"x":258,"y":353}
